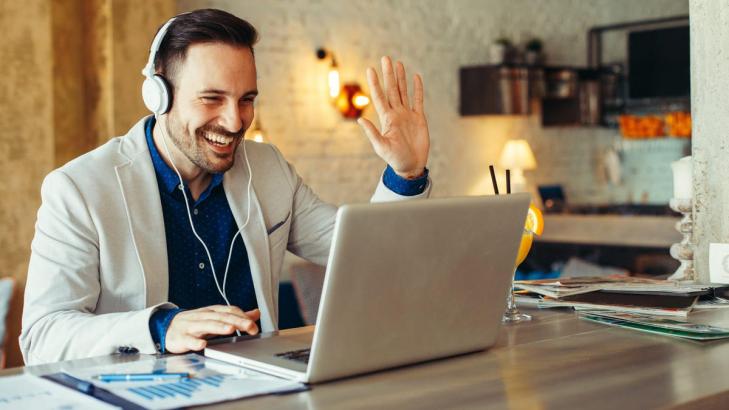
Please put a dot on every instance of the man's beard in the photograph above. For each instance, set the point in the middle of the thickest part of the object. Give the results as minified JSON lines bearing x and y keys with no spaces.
{"x":195,"y":148}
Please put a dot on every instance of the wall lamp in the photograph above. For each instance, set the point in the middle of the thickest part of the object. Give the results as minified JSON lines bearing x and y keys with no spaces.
{"x":349,"y":98}
{"x":256,"y":133}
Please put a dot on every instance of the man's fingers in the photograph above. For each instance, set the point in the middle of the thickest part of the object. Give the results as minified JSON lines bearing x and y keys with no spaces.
{"x":251,"y":327}
{"x":184,"y":343}
{"x":254,"y":314}
{"x":378,"y":98}
{"x":391,"y":90}
{"x":402,"y":84}
{"x":418,"y":104}
{"x":200,"y":328}
{"x":195,"y":344}
{"x":240,"y":322}
{"x":232,"y":309}
{"x":370,"y":130}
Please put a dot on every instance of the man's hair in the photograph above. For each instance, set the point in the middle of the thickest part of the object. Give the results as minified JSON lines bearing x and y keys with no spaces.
{"x":196,"y":27}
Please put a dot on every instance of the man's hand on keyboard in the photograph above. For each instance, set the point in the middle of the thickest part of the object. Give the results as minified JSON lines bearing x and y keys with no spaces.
{"x":189,"y":328}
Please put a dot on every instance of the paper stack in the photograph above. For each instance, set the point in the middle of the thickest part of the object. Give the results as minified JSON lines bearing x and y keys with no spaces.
{"x":617,"y":293}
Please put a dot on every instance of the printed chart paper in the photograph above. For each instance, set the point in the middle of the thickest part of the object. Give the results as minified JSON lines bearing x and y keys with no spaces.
{"x":210,"y":381}
{"x":26,"y":391}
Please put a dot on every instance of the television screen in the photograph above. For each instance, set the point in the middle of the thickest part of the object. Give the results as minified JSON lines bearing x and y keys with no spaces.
{"x":658,"y":63}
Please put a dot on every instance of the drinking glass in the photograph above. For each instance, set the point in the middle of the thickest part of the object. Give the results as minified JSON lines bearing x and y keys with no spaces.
{"x":512,"y":314}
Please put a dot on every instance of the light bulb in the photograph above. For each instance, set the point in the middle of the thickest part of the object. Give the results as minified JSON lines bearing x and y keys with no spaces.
{"x":360,"y":101}
{"x":333,"y":82}
{"x":257,"y":136}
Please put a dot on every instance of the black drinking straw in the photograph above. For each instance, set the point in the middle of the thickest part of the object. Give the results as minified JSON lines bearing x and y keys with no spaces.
{"x":508,"y":181}
{"x":493,"y":179}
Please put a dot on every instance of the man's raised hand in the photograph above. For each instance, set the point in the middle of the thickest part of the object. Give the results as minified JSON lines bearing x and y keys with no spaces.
{"x":403,"y":142}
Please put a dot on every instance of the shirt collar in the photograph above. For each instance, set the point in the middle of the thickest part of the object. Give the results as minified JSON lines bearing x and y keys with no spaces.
{"x":167,"y":175}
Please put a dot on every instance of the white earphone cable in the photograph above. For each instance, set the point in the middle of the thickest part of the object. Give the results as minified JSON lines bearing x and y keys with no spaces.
{"x":189,"y":215}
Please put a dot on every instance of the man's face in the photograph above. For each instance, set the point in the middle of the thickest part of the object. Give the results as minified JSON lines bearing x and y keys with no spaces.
{"x":213,"y":104}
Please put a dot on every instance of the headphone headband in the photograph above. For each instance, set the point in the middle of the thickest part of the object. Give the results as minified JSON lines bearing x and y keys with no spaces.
{"x":156,"y":92}
{"x":148,"y":70}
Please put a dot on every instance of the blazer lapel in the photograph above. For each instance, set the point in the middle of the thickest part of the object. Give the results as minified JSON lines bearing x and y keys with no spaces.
{"x":144,"y":213}
{"x":235,"y":183}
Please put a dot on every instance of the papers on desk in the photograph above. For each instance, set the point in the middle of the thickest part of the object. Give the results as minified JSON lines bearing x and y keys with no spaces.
{"x":211,"y":381}
{"x":648,"y":305}
{"x":581,"y":306}
{"x":616,"y":294}
{"x":712,"y":303}
{"x":658,"y":325}
{"x":26,"y":391}
{"x":562,"y":287}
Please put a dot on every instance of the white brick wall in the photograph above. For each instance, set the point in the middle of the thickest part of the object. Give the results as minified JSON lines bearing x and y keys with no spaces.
{"x":435,"y":38}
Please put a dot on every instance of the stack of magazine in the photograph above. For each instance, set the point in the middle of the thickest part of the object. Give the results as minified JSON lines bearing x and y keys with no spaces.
{"x":617,"y":293}
{"x":651,"y":305}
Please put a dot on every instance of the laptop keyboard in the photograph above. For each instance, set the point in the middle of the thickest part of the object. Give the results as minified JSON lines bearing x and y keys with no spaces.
{"x":297,"y":355}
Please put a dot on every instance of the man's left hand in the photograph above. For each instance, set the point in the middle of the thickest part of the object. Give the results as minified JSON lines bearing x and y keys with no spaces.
{"x":403,"y":141}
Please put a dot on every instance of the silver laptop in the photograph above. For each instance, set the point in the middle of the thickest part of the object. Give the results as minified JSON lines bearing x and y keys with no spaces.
{"x":406,"y":282}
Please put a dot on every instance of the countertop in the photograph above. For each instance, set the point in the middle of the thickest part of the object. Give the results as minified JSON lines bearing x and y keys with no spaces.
{"x":619,"y":230}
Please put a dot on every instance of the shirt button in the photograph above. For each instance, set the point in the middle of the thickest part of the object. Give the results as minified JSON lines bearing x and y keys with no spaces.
{"x":194,"y":211}
{"x":201,"y":265}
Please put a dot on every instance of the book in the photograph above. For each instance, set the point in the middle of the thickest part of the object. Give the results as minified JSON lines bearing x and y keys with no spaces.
{"x":647,"y":300}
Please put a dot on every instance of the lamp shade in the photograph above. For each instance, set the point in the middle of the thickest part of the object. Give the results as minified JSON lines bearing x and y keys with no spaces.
{"x":517,"y":155}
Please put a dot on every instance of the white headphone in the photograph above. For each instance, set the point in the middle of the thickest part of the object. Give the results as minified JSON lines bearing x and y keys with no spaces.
{"x":156,"y":92}
{"x":157,"y":95}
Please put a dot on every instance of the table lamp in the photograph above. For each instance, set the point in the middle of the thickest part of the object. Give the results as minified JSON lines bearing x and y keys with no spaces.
{"x":517,"y":156}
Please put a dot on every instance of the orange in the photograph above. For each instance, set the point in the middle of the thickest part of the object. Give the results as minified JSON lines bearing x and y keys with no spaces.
{"x":524,"y":246}
{"x":534,"y":224}
{"x":534,"y":221}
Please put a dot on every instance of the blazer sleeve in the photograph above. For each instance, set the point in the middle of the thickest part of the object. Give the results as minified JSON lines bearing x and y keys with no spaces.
{"x":63,"y":286}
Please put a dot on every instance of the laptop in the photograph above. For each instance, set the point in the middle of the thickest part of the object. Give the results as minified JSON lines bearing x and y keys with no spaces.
{"x":406,"y":282}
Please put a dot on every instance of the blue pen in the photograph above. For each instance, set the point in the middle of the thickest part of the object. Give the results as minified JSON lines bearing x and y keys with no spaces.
{"x":141,"y":377}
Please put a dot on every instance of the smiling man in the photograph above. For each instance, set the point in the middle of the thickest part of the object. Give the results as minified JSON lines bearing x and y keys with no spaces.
{"x":176,"y":232}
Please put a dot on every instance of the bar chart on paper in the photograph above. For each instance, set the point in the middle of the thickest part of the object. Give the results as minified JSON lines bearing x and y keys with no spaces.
{"x":210,"y":381}
{"x":185,"y":388}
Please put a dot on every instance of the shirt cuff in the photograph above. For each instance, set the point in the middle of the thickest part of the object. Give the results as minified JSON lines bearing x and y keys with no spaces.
{"x":403,"y":186}
{"x":158,"y":324}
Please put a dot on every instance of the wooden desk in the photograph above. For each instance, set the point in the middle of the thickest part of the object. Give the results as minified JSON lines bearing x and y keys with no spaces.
{"x":554,"y":362}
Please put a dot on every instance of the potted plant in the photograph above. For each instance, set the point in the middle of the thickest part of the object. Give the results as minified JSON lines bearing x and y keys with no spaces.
{"x":499,"y":49}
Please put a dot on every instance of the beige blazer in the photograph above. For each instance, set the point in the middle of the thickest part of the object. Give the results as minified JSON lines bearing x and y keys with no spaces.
{"x":98,"y":267}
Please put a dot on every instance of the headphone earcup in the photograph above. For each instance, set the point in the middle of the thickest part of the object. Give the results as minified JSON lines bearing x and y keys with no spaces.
{"x":156,"y":94}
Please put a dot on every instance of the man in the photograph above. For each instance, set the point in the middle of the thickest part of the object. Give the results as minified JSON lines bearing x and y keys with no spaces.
{"x":127,"y":256}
